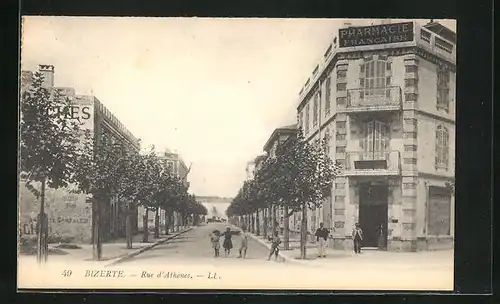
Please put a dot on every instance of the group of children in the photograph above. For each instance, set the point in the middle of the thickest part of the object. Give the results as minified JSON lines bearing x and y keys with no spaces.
{"x":227,"y":244}
{"x":321,"y":235}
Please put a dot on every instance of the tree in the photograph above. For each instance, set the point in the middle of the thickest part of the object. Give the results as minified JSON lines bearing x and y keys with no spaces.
{"x":96,"y":172}
{"x":300,"y":179}
{"x":48,"y":145}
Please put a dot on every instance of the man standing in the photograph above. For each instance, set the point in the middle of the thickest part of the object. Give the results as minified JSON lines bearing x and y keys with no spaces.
{"x":357,"y":236}
{"x":321,"y":237}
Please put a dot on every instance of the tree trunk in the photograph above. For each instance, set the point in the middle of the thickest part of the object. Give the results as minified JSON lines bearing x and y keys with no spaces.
{"x":128,"y":226}
{"x":145,"y":232}
{"x":178,"y":220}
{"x":251,"y":223}
{"x":157,"y":223}
{"x":96,"y":228}
{"x":273,"y":215}
{"x":303,"y":233}
{"x":167,"y":221}
{"x":43,"y":229}
{"x":264,"y":224}
{"x":286,"y":232}
{"x":257,"y":224}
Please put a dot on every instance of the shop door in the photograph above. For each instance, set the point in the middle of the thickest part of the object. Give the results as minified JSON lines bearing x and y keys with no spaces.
{"x":373,"y":207}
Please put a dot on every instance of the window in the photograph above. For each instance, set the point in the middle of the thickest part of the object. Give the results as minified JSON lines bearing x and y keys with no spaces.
{"x":409,"y":185}
{"x":373,"y":76}
{"x":301,"y":126}
{"x":443,"y":79}
{"x":341,"y":73}
{"x":340,"y":149}
{"x":410,"y":161}
{"x":339,"y":211}
{"x":375,"y":141}
{"x":328,"y":87}
{"x":327,"y":142}
{"x":410,"y":134}
{"x":341,"y":87}
{"x":410,"y":82}
{"x":443,"y":45}
{"x":410,"y":97}
{"x":442,"y":139}
{"x":341,"y":101}
{"x":439,"y":211}
{"x":425,"y":35}
{"x":315,"y":109}
{"x":411,"y":68}
{"x":340,"y":137}
{"x":410,"y":148}
{"x":306,"y":129}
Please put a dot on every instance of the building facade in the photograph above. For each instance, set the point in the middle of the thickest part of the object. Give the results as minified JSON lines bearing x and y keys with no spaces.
{"x":279,"y":136}
{"x":384,"y":99}
{"x":71,"y":214}
{"x":250,"y":170}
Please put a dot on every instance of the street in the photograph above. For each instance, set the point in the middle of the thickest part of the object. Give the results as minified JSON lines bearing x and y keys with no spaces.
{"x":194,"y":247}
{"x":190,"y":255}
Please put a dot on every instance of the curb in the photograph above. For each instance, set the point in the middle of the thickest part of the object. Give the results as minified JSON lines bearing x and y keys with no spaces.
{"x":146,"y":248}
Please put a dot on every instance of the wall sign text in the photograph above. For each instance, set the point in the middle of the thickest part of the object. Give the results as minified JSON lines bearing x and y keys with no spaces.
{"x":376,"y":34}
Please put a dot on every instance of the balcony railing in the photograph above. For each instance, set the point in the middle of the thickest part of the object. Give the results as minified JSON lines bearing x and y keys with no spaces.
{"x":373,"y":163}
{"x":374,"y":99}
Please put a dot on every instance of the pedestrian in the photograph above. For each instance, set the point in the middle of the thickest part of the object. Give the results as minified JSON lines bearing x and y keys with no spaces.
{"x":227,"y":244}
{"x":214,"y":239}
{"x":244,"y":243}
{"x":381,"y":238}
{"x":321,"y":237}
{"x":357,"y":236}
{"x":275,"y":249}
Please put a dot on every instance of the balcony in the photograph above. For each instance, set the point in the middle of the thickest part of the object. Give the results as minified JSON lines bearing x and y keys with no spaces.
{"x":373,"y":163}
{"x":375,"y":99}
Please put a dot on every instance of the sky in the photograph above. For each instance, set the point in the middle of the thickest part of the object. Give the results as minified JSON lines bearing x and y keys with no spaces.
{"x":211,"y":89}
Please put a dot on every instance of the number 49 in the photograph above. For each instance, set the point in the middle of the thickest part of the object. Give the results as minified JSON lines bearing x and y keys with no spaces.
{"x":67,"y":273}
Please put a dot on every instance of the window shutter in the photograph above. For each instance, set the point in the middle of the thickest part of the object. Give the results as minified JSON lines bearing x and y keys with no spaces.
{"x":388,"y":80}
{"x":445,"y":148}
{"x":386,"y":135}
{"x":437,"y":148}
{"x":362,"y":72}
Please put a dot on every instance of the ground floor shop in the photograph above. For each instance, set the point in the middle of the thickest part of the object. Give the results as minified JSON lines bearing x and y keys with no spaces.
{"x":395,"y":213}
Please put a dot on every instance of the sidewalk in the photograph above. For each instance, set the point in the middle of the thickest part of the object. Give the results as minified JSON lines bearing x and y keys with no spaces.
{"x":111,"y":251}
{"x":374,"y":259}
{"x":337,"y":259}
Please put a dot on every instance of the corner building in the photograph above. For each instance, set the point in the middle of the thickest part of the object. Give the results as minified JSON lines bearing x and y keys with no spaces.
{"x":384,"y":99}
{"x":71,"y":214}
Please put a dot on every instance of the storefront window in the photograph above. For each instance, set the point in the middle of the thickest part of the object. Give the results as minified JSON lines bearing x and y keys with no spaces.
{"x":439,"y":211}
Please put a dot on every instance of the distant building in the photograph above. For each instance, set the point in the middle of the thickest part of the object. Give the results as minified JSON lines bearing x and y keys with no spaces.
{"x":71,"y":214}
{"x":384,"y":99}
{"x":176,"y":166}
{"x":216,"y":205}
{"x":250,"y":170}
{"x":279,"y":136}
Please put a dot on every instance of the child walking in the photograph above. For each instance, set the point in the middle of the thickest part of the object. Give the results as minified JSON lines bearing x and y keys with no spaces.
{"x":214,"y":239}
{"x":357,"y":236}
{"x":275,"y":246}
{"x":244,"y":243}
{"x":227,"y":244}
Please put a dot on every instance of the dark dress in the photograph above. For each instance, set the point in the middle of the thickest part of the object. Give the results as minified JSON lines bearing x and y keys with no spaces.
{"x":228,"y":244}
